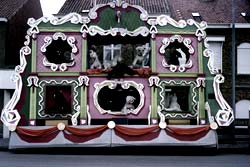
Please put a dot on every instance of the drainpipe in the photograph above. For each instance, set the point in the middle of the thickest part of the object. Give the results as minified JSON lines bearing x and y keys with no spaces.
{"x":233,"y":56}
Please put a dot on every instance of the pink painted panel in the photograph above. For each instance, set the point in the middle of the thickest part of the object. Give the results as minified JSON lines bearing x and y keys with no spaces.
{"x":160,"y":57}
{"x":95,"y":114}
{"x":78,"y":56}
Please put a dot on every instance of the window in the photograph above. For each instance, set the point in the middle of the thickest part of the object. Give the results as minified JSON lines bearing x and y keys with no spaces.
{"x":197,"y":16}
{"x":216,"y":45}
{"x":111,"y":51}
{"x":242,"y":109}
{"x":105,"y":52}
{"x":243,"y":55}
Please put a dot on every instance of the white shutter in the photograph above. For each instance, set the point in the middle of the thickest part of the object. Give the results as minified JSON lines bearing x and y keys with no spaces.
{"x":243,"y":56}
{"x":216,"y":47}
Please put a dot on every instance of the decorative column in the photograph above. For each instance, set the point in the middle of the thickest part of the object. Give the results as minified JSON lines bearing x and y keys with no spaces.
{"x":154,"y":83}
{"x":153,"y":55}
{"x":33,"y":56}
{"x":33,"y":84}
{"x":84,"y":55}
{"x":201,"y":119}
{"x":83,"y":83}
{"x":200,"y":58}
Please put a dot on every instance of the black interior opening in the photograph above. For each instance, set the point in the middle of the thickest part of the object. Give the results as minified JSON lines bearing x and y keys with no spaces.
{"x":115,"y":99}
{"x":128,"y":47}
{"x":58,"y":100}
{"x":58,"y":52}
{"x":182,"y":94}
{"x":172,"y":55}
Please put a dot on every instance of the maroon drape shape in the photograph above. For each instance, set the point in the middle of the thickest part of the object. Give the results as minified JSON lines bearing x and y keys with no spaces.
{"x":78,"y":135}
{"x":37,"y":135}
{"x":187,"y":134}
{"x":137,"y":134}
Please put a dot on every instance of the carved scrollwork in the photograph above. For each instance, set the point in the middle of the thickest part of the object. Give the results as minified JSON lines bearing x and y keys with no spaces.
{"x":83,"y":80}
{"x":224,"y":116}
{"x":93,"y":30}
{"x":153,"y":29}
{"x":10,"y":116}
{"x":32,"y":81}
{"x":200,"y":33}
{"x":154,"y":81}
{"x":200,"y":82}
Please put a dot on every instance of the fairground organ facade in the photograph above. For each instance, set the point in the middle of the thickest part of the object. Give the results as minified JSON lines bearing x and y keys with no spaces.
{"x":119,"y":72}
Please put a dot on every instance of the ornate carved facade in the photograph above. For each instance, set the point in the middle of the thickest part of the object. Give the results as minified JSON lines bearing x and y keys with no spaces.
{"x":118,"y":65}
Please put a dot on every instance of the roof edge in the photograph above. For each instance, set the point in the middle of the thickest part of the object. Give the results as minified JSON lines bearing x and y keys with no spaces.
{"x":227,"y":25}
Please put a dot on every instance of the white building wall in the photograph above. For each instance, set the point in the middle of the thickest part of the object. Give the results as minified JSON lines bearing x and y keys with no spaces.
{"x":5,"y":79}
{"x":6,"y":84}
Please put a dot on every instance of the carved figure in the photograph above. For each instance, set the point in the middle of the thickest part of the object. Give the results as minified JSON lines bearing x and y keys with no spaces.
{"x":142,"y":56}
{"x":128,"y":105}
{"x":182,"y":60}
{"x":174,"y":105}
{"x":95,"y":60}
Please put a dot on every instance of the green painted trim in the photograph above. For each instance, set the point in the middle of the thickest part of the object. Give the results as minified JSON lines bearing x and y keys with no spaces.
{"x":58,"y":74}
{"x":200,"y":57}
{"x":98,"y":75}
{"x":33,"y":56}
{"x":83,"y":102}
{"x":202,"y":114}
{"x":32,"y":103}
{"x":154,"y":114}
{"x":153,"y":55}
{"x":177,"y":75}
{"x":53,"y":29}
{"x":84,"y":55}
{"x":175,"y":32}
